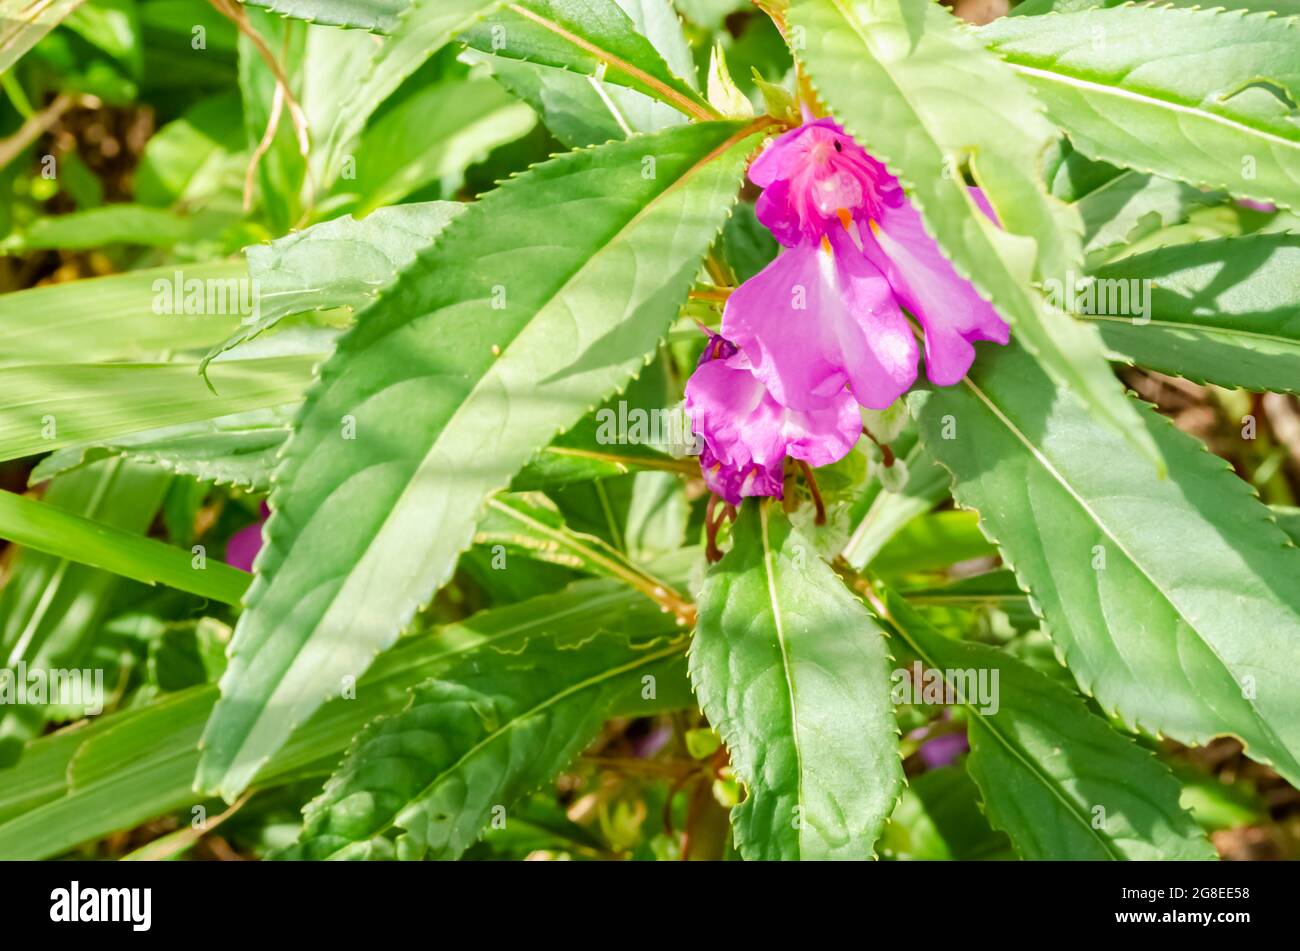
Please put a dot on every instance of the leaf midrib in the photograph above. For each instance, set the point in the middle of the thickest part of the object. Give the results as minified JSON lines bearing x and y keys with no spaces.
{"x":1046,"y":779}
{"x":1051,"y":470}
{"x":769,"y":572}
{"x":1066,"y":78}
{"x":667,"y":94}
{"x":1208,"y":329}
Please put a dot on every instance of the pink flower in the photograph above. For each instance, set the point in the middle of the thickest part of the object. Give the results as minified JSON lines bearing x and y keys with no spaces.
{"x":822,"y":327}
{"x":821,"y":317}
{"x":812,"y":173}
{"x":244,"y":545}
{"x":748,"y":434}
{"x":826,"y":313}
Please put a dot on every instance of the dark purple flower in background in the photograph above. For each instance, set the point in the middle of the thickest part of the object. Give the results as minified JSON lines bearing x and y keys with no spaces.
{"x":1267,"y":207}
{"x":244,"y":545}
{"x":943,"y":750}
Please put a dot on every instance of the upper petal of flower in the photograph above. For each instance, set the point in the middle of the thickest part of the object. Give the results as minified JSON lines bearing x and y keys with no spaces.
{"x":813,"y":173}
{"x":819,"y":317}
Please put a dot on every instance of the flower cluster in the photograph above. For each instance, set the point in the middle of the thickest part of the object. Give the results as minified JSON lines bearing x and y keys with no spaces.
{"x":821,"y":329}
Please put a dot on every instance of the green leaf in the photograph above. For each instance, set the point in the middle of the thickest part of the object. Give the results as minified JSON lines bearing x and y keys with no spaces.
{"x":23,"y":25}
{"x":242,"y":450}
{"x":723,"y":92}
{"x":938,"y":818}
{"x":1132,"y":206}
{"x":432,"y":136}
{"x":460,"y":372}
{"x":932,"y":542}
{"x":110,"y":318}
{"x":67,"y":535}
{"x":1202,"y":96}
{"x":188,"y":655}
{"x":338,"y":263}
{"x":96,"y":227}
{"x":658,"y":515}
{"x":238,"y":450}
{"x":125,"y":768}
{"x":1220,"y":312}
{"x":1073,"y":175}
{"x":113,"y":27}
{"x":51,"y":609}
{"x":1288,"y":8}
{"x":531,"y":524}
{"x":52,"y":405}
{"x":925,"y":487}
{"x":489,"y":730}
{"x":1056,"y":778}
{"x":579,"y":110}
{"x":1174,"y":601}
{"x":186,"y":158}
{"x":659,"y":23}
{"x":379,"y":16}
{"x":421,"y":30}
{"x":793,"y":672}
{"x":991,"y":587}
{"x":936,"y":98}
{"x":1288,"y":519}
{"x":594,"y":38}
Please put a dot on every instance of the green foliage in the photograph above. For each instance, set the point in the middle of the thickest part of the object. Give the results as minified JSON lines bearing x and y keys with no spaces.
{"x":339,"y":263}
{"x":426,"y":280}
{"x":594,"y":305}
{"x":1132,"y":95}
{"x":473,"y":741}
{"x":96,"y":401}
{"x":1178,"y":613}
{"x":1221,"y":312}
{"x":1106,"y":799}
{"x":592,"y":37}
{"x":50,"y":607}
{"x":780,"y":642}
{"x":76,"y":538}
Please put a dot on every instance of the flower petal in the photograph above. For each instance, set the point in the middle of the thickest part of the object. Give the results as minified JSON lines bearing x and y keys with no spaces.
{"x":242,"y":549}
{"x":733,"y":413}
{"x":773,"y":210}
{"x":951,"y":312}
{"x":812,"y":174}
{"x":733,"y":483}
{"x":747,"y":434}
{"x":818,"y":318}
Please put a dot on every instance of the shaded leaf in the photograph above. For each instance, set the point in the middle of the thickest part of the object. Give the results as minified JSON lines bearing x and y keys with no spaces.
{"x":428,"y":374}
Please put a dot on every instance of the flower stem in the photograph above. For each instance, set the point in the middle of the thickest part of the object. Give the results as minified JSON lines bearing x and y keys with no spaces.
{"x":814,"y":492}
